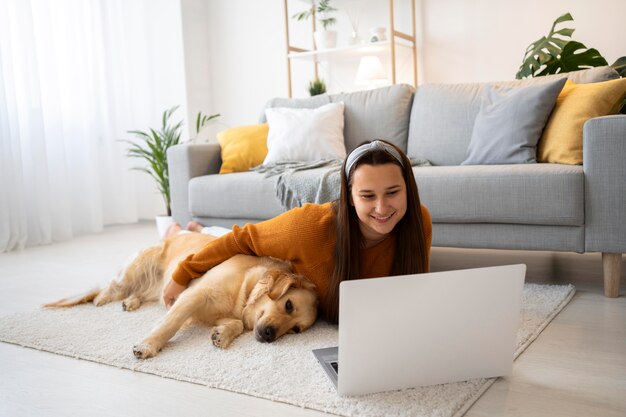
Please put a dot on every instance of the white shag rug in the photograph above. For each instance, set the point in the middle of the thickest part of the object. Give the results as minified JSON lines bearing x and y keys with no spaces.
{"x":284,"y":371}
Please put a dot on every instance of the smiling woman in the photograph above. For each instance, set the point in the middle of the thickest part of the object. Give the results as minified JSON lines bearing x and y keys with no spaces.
{"x":74,"y":77}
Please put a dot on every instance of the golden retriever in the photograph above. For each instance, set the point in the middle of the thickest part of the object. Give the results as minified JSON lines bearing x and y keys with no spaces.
{"x":245,"y":292}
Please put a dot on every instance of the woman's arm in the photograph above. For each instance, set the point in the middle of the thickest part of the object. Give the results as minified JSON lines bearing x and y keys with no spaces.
{"x":274,"y":237}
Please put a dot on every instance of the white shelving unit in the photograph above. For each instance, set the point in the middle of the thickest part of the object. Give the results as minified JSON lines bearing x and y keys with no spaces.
{"x":388,"y":47}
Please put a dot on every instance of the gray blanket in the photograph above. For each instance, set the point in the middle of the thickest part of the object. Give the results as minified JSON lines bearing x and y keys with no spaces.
{"x":309,"y":182}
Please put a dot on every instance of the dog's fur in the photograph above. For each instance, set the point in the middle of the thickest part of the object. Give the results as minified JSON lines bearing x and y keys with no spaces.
{"x":244,"y":292}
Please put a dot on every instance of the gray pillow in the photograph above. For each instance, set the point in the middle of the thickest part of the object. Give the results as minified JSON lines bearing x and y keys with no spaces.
{"x":295,"y":103}
{"x":510,"y":123}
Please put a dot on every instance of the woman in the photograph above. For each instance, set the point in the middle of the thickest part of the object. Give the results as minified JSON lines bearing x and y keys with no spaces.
{"x":377,"y":228}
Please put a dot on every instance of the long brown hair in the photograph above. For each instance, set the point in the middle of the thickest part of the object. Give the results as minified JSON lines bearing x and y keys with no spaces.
{"x":411,"y":252}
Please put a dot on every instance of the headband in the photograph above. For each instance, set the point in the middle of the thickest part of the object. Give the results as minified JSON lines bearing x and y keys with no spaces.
{"x":374,"y":145}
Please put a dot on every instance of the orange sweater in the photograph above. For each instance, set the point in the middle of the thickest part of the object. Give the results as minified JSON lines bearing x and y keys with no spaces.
{"x":305,"y":236}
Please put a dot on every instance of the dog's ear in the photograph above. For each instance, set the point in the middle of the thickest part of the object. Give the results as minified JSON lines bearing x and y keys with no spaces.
{"x":283,"y":281}
{"x":262,"y":286}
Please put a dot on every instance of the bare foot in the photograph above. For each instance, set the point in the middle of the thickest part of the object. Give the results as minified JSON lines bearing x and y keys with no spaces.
{"x":173,"y":229}
{"x":194,"y":226}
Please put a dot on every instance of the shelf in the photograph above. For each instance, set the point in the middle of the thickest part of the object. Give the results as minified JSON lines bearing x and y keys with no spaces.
{"x":347,"y":52}
{"x":397,"y":40}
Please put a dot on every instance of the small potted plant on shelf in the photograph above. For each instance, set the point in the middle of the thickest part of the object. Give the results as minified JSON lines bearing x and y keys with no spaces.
{"x":324,"y":39}
{"x":152,"y":146}
{"x":317,"y":87}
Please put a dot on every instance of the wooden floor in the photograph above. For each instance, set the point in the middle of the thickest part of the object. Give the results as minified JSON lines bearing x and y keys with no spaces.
{"x":577,"y":366}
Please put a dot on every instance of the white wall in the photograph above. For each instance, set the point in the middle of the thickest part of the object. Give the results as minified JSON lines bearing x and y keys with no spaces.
{"x":482,"y":40}
{"x":458,"y":41}
{"x":164,"y":45}
{"x":196,"y":47}
{"x":247,"y":57}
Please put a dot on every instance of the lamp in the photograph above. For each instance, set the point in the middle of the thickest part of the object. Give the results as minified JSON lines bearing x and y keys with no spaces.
{"x":371,"y":73}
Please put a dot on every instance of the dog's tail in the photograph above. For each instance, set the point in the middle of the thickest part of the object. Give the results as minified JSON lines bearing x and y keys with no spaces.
{"x":75,"y":300}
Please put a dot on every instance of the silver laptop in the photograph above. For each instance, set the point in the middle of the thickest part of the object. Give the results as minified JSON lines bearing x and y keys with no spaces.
{"x":424,"y":329}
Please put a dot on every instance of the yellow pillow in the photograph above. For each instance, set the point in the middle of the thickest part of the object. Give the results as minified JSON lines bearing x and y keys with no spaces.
{"x":562,"y":139}
{"x":243,"y":147}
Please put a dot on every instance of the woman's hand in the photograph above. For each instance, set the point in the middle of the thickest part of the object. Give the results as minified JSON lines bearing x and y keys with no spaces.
{"x":171,"y":292}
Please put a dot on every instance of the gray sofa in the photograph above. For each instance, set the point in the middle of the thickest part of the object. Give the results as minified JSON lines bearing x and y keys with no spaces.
{"x":539,"y":206}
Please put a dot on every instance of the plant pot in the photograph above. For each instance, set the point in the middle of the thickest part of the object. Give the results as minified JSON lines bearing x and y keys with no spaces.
{"x":325,"y":39}
{"x":163,"y":222}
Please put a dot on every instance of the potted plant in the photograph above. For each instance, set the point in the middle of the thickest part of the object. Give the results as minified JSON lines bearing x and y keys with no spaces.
{"x":324,"y":39}
{"x":152,"y":146}
{"x":317,"y":87}
{"x":558,"y":53}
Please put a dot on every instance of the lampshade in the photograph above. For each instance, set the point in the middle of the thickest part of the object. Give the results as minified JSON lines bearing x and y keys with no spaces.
{"x":371,"y":72}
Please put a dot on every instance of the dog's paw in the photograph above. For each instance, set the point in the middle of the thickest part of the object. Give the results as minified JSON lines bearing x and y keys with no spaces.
{"x":99,"y":302}
{"x":131,"y":303}
{"x":144,"y":351}
{"x":101,"y":299}
{"x":219,"y":337}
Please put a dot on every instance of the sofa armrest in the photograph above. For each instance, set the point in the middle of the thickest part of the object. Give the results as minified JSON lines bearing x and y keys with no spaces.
{"x":604,"y":156}
{"x":186,"y":162}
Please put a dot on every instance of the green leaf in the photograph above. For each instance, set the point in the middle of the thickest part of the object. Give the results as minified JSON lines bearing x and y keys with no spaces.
{"x":324,"y":7}
{"x":198,"y":122}
{"x":576,"y":56}
{"x":203,"y":119}
{"x":326,"y":23}
{"x":565,"y":32}
{"x":304,"y":15}
{"x":563,"y":18}
{"x":167,"y":114}
{"x":138,"y":133}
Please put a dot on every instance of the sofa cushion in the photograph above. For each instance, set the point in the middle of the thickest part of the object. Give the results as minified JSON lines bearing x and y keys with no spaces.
{"x":246,"y":195}
{"x":542,"y":194}
{"x":510,"y":122}
{"x":562,"y":140}
{"x":295,"y":103}
{"x":539,"y":194}
{"x":443,"y":115}
{"x":242,"y":147}
{"x":305,"y":134}
{"x":382,"y":113}
{"x":591,"y":75}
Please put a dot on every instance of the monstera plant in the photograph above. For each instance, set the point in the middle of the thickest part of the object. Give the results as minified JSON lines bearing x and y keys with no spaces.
{"x":557,"y":53}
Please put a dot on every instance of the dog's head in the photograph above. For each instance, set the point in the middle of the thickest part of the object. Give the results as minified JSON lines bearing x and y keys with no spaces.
{"x":281,"y":302}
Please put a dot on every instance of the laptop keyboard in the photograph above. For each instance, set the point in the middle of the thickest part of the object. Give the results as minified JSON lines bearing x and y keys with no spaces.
{"x":335,"y":366}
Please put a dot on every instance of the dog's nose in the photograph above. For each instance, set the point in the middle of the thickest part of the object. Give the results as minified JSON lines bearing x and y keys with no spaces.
{"x":268,"y":334}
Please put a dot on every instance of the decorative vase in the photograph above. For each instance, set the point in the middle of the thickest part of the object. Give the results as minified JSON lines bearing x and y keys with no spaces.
{"x":163,"y":223}
{"x":354,"y":39}
{"x":325,"y":39}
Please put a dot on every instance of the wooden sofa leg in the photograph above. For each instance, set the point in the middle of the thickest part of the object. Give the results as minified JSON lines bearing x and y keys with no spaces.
{"x":612,"y":265}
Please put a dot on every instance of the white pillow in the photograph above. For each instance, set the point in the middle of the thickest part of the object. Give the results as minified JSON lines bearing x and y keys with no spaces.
{"x":305,"y":134}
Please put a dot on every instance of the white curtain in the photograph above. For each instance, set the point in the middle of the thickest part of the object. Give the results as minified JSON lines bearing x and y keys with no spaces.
{"x":75,"y":76}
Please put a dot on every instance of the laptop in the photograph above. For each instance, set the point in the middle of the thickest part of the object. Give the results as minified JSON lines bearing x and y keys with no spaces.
{"x":425,"y":329}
